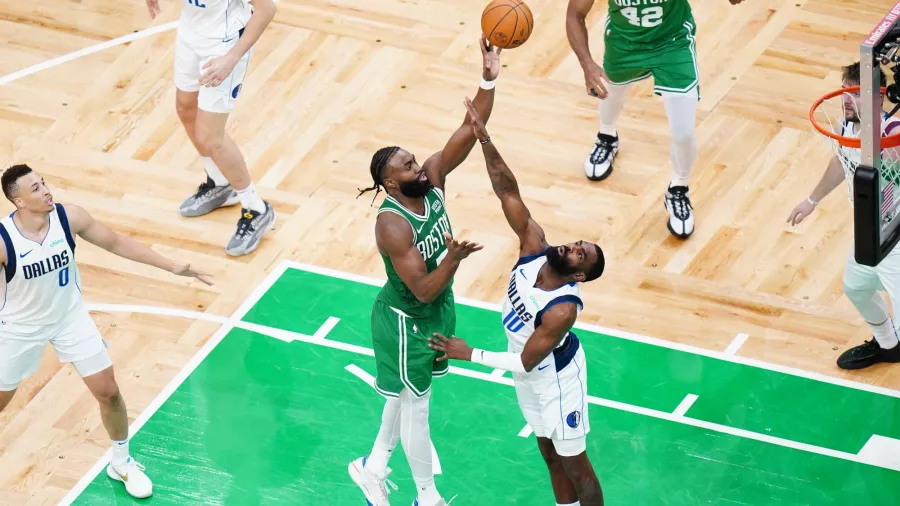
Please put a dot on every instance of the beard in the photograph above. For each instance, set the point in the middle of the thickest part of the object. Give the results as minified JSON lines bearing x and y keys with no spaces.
{"x":558,"y":262}
{"x":416,"y":189}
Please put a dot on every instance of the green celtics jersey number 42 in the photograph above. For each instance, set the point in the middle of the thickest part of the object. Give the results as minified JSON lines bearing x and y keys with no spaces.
{"x":428,"y":237}
{"x":647,"y":20}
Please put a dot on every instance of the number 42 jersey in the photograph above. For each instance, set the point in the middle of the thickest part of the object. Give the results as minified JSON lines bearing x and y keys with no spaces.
{"x":650,"y":21}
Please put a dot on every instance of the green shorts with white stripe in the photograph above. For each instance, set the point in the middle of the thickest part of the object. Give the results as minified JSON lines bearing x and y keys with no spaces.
{"x":403,"y":358}
{"x":672,"y":62}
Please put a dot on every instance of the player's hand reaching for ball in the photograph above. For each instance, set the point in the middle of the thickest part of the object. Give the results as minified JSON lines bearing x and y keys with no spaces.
{"x":594,"y":75}
{"x":153,"y":7}
{"x":185,"y":270}
{"x":491,"y":56}
{"x":454,"y":347}
{"x":457,"y":250}
{"x":476,"y":120}
{"x":801,"y":211}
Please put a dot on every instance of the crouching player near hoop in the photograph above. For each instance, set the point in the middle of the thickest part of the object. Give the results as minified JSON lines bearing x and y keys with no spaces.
{"x":861,"y":282}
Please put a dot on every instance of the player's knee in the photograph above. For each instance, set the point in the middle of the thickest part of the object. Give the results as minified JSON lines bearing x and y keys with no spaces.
{"x":210,"y":139}
{"x":107,"y":393}
{"x":856,"y":294}
{"x":186,"y":107}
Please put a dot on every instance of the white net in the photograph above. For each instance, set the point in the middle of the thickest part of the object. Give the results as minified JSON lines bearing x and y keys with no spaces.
{"x":832,"y":114}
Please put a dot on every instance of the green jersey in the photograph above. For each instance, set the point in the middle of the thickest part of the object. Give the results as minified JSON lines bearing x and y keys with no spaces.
{"x":428,"y":237}
{"x":648,"y":20}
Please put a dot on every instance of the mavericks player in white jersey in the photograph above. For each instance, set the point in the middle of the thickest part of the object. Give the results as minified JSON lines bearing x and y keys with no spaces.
{"x":43,"y":303}
{"x":861,"y":282}
{"x":212,"y":53}
{"x":546,"y":358}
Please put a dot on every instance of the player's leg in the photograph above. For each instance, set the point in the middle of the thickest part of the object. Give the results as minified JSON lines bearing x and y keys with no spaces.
{"x":215,"y":104}
{"x":623,"y":68}
{"x":78,"y":341}
{"x":676,"y":79}
{"x":861,"y":285}
{"x":215,"y":192}
{"x":370,"y":472}
{"x":579,"y":469}
{"x":563,"y":488}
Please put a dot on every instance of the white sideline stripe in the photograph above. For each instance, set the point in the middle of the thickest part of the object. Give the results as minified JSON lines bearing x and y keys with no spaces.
{"x":759,"y":364}
{"x":884,"y":450}
{"x":326,"y":327}
{"x":736,"y":344}
{"x":526,"y":431}
{"x":685,"y":405}
{"x":498,"y":372}
{"x":234,"y":321}
{"x":131,"y":37}
{"x":370,"y":380}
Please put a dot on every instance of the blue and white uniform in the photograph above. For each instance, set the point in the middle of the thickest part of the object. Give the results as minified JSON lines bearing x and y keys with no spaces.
{"x":43,"y":303}
{"x":553,"y":396}
{"x":208,"y":29}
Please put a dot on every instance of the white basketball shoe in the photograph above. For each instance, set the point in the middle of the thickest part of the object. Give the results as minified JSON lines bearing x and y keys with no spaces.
{"x":373,"y":487}
{"x":131,"y":473}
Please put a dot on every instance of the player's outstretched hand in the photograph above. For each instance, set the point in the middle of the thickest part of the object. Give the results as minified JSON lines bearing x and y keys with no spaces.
{"x":459,"y":250}
{"x":491,"y":56}
{"x":594,"y":75}
{"x":476,"y":120}
{"x":801,"y":211}
{"x":153,"y":7}
{"x":454,"y":347}
{"x":185,"y":270}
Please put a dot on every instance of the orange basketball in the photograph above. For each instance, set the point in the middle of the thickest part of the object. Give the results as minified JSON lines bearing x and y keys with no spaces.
{"x":507,"y":23}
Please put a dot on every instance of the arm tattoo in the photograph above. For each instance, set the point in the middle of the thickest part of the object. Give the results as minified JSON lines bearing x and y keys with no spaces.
{"x":502,"y":179}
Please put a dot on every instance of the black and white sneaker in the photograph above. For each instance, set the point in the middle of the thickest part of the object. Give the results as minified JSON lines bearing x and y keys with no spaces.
{"x":681,"y":216}
{"x":598,"y":164}
{"x":208,"y":198}
{"x":250,"y":229}
{"x":867,"y":354}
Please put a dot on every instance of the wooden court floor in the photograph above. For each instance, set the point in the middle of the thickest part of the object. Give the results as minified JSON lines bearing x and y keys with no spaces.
{"x":330,"y":82}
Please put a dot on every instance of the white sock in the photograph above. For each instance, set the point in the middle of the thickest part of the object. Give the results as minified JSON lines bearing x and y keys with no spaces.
{"x":387,"y":439}
{"x":416,"y":436}
{"x":611,"y":108}
{"x":682,"y":113}
{"x":576,"y":503}
{"x":212,"y":170}
{"x":119,"y":452}
{"x":885,"y":334}
{"x":250,"y":200}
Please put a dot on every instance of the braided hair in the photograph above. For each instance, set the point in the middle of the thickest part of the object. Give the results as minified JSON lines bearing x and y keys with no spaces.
{"x":379,"y":163}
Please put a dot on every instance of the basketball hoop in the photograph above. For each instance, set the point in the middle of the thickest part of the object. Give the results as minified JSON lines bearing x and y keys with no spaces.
{"x":827,"y":116}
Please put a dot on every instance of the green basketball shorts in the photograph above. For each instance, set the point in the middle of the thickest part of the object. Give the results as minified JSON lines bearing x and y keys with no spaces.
{"x":402,"y":356}
{"x":672,"y":62}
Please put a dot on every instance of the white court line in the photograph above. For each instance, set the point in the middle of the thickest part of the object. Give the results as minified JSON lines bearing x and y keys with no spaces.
{"x":179,"y":378}
{"x":366,"y":377}
{"x":326,"y":327}
{"x":526,"y":431}
{"x":685,"y":405}
{"x":883,"y":450}
{"x":498,"y":372}
{"x":662,"y":343}
{"x":736,"y":344}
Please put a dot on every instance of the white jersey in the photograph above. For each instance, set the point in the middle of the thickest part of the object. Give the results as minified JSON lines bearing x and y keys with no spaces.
{"x":852,"y":157}
{"x":214,"y":19}
{"x":43,"y":285}
{"x":525,"y":303}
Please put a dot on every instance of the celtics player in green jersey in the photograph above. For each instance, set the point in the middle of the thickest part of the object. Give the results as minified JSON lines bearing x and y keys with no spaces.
{"x":644,"y":38}
{"x":420,"y":254}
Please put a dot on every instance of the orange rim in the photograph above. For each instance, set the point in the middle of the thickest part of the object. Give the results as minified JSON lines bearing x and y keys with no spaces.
{"x":890,"y":141}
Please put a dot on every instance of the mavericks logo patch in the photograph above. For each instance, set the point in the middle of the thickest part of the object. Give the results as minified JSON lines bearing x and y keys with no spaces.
{"x":574,"y":419}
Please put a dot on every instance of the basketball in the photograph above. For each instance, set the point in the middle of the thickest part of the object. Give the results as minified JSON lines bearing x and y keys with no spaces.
{"x":507,"y":24}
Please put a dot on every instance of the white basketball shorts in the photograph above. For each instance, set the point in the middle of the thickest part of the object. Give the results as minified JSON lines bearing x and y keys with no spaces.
{"x":555,"y":404}
{"x":76,"y":339}
{"x":192,"y":52}
{"x":884,"y":276}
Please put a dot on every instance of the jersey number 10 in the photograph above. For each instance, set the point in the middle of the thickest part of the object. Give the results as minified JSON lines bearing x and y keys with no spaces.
{"x":648,"y":18}
{"x":197,"y":3}
{"x":512,"y":322}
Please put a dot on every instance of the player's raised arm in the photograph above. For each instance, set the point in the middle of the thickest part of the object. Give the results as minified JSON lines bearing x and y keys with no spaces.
{"x":84,"y":225}
{"x":555,"y":325}
{"x":577,"y":33}
{"x":531,"y":235}
{"x":394,"y":237}
{"x":438,"y":165}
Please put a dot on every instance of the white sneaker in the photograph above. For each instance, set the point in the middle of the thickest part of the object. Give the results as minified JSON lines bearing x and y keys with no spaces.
{"x":131,"y":473}
{"x":372,"y":486}
{"x":678,"y":204}
{"x":599,"y":163}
